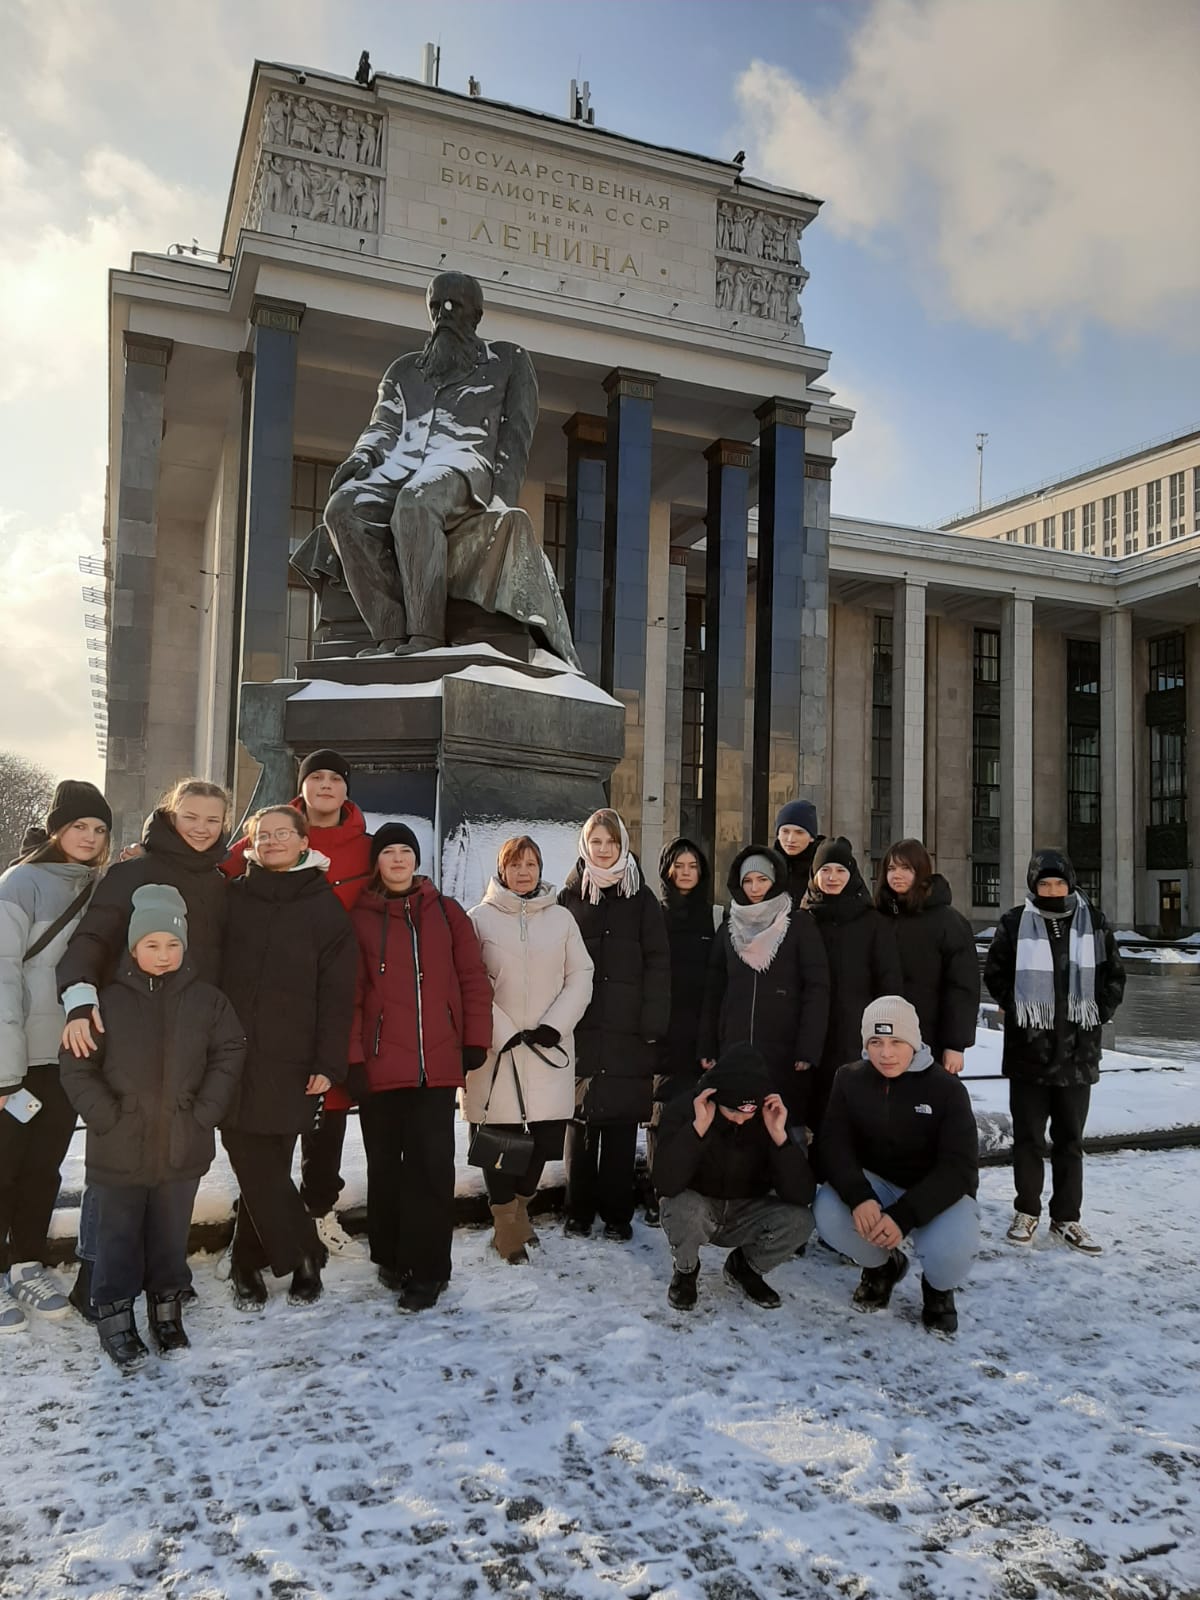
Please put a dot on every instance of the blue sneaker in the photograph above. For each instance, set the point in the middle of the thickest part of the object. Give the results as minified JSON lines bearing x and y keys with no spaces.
{"x":36,"y":1292}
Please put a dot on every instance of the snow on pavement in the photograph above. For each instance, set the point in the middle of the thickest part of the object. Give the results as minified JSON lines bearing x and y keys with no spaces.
{"x":557,"y":1431}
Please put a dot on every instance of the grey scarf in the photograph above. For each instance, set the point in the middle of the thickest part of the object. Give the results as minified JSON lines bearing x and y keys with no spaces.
{"x":1034,"y":986}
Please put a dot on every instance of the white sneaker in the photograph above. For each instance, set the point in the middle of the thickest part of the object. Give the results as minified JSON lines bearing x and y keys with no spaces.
{"x":224,"y":1264}
{"x":12,"y":1318}
{"x":1077,"y":1236}
{"x":1022,"y":1228}
{"x":335,"y":1238}
{"x":37,"y":1292}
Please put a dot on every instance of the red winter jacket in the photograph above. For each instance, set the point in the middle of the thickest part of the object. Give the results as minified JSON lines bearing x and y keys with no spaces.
{"x":348,"y":847}
{"x":423,"y":994}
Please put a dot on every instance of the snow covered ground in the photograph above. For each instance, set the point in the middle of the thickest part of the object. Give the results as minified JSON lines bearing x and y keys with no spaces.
{"x":557,"y":1431}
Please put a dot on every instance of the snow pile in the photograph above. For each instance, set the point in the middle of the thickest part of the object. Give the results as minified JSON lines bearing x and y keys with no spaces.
{"x":557,"y":1432}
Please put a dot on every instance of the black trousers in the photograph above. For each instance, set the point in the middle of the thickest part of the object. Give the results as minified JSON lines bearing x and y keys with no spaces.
{"x":1031,"y":1106}
{"x":31,"y":1154}
{"x":502,"y":1187}
{"x":321,"y":1178}
{"x":600,"y":1159}
{"x":408,"y":1135}
{"x":142,"y":1240}
{"x":273,"y":1229}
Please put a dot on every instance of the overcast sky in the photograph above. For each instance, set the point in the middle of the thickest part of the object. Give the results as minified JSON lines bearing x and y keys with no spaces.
{"x":1010,"y":241}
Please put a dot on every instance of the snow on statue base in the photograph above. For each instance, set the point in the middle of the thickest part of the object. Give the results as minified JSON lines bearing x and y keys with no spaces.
{"x":465,"y":743}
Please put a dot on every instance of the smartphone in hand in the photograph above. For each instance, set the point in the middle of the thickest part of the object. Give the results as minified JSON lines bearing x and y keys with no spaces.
{"x":23,"y":1105}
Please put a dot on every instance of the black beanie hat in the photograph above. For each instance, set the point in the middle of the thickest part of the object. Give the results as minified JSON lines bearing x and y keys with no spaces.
{"x":73,"y":800}
{"x":798,"y":814}
{"x":394,"y":833}
{"x":325,"y":761}
{"x":741,"y":1075}
{"x":834,"y":853}
{"x":1050,"y":864}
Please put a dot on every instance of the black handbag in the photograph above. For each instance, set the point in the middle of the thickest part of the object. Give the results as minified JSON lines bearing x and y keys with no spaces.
{"x":498,"y":1149}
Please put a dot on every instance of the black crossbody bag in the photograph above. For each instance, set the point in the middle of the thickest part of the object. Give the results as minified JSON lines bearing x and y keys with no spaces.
{"x":498,"y":1149}
{"x":56,"y":927}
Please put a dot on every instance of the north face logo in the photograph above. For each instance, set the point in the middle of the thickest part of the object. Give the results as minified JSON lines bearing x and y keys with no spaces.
{"x":924,"y":1110}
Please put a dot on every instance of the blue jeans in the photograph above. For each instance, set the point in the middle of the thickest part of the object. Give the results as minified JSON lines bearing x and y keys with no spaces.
{"x":946,"y":1247}
{"x":89,"y":1217}
{"x":142,"y":1240}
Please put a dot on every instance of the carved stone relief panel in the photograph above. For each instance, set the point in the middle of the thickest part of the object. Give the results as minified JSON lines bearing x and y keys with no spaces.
{"x":314,"y":162}
{"x":758,"y":263}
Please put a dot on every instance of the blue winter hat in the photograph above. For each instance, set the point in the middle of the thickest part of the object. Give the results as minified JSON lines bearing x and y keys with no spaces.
{"x":798,"y":814}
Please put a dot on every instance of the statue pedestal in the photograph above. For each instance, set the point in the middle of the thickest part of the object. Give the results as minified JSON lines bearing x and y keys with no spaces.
{"x":465,"y":745}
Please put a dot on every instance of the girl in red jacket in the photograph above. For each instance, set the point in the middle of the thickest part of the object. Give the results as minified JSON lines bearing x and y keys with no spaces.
{"x":423,"y":1015}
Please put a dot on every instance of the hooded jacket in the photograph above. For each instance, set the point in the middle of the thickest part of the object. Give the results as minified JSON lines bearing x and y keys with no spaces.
{"x":165,"y":1074}
{"x":1068,"y":1054}
{"x":691,"y":930}
{"x":33,"y":895}
{"x":290,"y":963}
{"x":782,"y":1011}
{"x":917,"y":1131}
{"x":731,"y":1162}
{"x":423,"y":995}
{"x":98,"y":943}
{"x":616,"y":1041}
{"x":860,"y":946}
{"x":939,"y":963}
{"x":541,"y":973}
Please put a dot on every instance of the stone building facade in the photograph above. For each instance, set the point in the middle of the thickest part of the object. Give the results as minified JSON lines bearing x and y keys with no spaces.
{"x":680,"y":480}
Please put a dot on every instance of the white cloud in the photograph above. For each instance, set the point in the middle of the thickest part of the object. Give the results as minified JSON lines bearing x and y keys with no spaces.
{"x":871,"y":460}
{"x":1035,"y":154}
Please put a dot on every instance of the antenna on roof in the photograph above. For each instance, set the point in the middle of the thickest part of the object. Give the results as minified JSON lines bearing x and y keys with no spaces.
{"x":980,"y":440}
{"x":579,"y":103}
{"x":431,"y":65}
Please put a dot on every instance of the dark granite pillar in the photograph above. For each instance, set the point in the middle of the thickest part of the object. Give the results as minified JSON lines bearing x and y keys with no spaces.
{"x":627,"y":489}
{"x":724,"y":759}
{"x":814,"y":638}
{"x":276,"y":325}
{"x":131,"y":595}
{"x":781,"y":615}
{"x":583,"y":589}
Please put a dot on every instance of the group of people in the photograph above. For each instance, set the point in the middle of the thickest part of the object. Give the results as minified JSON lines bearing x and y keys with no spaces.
{"x":795,"y":1061}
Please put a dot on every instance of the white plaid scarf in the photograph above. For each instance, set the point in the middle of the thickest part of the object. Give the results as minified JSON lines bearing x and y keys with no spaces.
{"x":1034,"y":988}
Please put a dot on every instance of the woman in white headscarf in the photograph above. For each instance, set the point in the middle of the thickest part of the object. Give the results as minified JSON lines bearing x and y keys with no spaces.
{"x":625,"y":933}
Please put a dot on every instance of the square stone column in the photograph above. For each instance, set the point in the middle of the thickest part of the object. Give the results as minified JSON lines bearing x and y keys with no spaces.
{"x":673,"y":742}
{"x":908,"y":709}
{"x":815,"y":777}
{"x":786,"y":637}
{"x":276,"y":334}
{"x":723,"y":790}
{"x":627,"y":484}
{"x":583,"y":589}
{"x":1016,"y":748}
{"x":131,"y":593}
{"x":1191,"y":689}
{"x":654,"y":752}
{"x":1117,"y":762}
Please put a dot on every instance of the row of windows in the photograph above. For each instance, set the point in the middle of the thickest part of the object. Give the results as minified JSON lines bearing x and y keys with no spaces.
{"x":1177,"y":521}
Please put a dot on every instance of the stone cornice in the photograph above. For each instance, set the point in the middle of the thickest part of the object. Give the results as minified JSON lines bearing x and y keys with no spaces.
{"x":284,"y":316}
{"x":586,"y":429}
{"x":627,"y":383}
{"x":729,"y":453}
{"x":148,"y":349}
{"x":778,"y":412}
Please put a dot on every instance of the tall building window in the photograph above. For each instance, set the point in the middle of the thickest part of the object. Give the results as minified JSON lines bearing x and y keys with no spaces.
{"x":1110,"y":524}
{"x":1196,"y":499}
{"x":1166,"y":662}
{"x":1048,"y":540}
{"x":1154,"y":512}
{"x":1031,"y":533}
{"x":1177,"y":506}
{"x":1011,"y":535}
{"x":1083,"y":773}
{"x":310,"y":491}
{"x":554,"y":535}
{"x":881,"y":738}
{"x":1131,"y":521}
{"x":1089,"y":527}
{"x":1083,"y":667}
{"x":987,"y":656}
{"x":1068,"y":530}
{"x":985,"y":883}
{"x":985,"y":769}
{"x":1168,"y":792}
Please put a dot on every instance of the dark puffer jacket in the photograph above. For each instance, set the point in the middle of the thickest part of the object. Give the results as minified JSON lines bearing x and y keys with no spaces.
{"x":860,"y":946}
{"x":690,"y":932}
{"x":616,"y":1043}
{"x":423,"y":991}
{"x":99,"y":942}
{"x":731,"y":1161}
{"x":782,"y":1011}
{"x":940,"y":966}
{"x":166,"y":1071}
{"x":290,"y":965}
{"x":1067,"y":1055}
{"x":917,"y":1131}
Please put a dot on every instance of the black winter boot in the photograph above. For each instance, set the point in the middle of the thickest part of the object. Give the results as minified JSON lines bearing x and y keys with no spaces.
{"x":305,"y":1288}
{"x":118,"y":1333}
{"x":876,"y":1284}
{"x":81,"y":1292}
{"x":249,"y":1290}
{"x":755,"y":1287}
{"x":682,"y":1292}
{"x":166,"y":1322}
{"x":938,"y":1311}
{"x":418,"y":1295}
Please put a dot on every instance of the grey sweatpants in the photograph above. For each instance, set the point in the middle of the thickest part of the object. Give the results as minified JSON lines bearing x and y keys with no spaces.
{"x":767,"y":1231}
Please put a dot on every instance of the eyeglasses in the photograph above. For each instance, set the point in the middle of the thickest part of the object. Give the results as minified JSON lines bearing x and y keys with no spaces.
{"x":280,"y":836}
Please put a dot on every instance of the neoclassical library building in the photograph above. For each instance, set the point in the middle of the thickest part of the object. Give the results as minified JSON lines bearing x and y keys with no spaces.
{"x":1023,"y":676}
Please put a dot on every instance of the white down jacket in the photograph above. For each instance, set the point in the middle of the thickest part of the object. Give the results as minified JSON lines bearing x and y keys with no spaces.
{"x":32,"y":896}
{"x":541,"y":973}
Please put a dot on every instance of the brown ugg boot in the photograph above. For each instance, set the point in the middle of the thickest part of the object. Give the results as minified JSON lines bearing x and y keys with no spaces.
{"x":523,"y":1205}
{"x":512,"y":1232}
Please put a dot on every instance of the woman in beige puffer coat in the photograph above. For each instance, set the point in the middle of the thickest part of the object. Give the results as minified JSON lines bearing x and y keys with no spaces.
{"x":542,"y":983}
